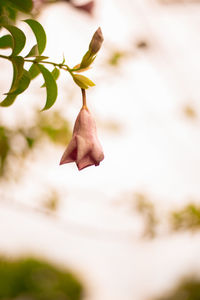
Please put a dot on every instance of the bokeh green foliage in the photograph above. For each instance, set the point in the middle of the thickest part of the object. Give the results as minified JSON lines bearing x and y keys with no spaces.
{"x":187,"y":289}
{"x":9,"y":9}
{"x":115,"y":58}
{"x":147,"y":210}
{"x":33,"y":279}
{"x":186,"y":218}
{"x":51,"y":125}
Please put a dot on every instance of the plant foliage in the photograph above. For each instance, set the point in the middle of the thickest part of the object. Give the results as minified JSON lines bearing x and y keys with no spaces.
{"x":16,"y":40}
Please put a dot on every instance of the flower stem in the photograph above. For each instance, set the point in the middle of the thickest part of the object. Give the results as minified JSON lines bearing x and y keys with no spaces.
{"x":84,"y":99}
{"x":61,"y":65}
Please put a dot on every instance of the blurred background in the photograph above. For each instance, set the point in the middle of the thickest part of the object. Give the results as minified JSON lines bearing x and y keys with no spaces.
{"x":129,"y":229}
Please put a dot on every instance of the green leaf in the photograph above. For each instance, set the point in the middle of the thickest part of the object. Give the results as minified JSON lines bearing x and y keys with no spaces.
{"x":34,"y":71}
{"x":6,"y":41}
{"x":40,"y":58}
{"x":87,"y":59}
{"x":19,"y":82}
{"x":8,"y":100}
{"x":33,"y":52}
{"x":55,"y":73}
{"x":7,"y":13}
{"x":51,"y":86}
{"x":82,"y":81}
{"x":63,"y":61}
{"x":39,"y":33}
{"x":4,"y":20}
{"x":22,"y":84}
{"x":11,"y":13}
{"x":22,"y":5}
{"x":19,"y":38}
{"x":18,"y":63}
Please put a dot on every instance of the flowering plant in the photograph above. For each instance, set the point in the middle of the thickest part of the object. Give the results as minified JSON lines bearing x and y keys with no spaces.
{"x":84,"y":147}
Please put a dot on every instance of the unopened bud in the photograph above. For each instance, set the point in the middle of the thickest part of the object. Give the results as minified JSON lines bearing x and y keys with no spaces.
{"x":96,"y":41}
{"x":82,"y":81}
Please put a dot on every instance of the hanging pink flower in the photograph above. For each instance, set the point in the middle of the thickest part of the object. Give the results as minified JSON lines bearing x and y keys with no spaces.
{"x":84,"y":148}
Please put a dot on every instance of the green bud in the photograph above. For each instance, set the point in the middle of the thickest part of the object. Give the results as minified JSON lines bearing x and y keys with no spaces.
{"x":82,"y":81}
{"x":94,"y":47}
{"x":87,"y":60}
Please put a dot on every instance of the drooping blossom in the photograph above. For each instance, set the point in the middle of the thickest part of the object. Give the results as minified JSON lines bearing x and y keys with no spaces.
{"x":84,"y":148}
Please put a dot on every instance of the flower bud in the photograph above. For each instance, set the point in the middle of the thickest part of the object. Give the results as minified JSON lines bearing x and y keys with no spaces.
{"x":96,"y":41}
{"x":82,"y":81}
{"x":84,"y":148}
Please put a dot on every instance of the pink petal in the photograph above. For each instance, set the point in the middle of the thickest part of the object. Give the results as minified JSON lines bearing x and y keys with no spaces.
{"x":83,"y":146}
{"x":85,"y":162}
{"x":70,"y":153}
{"x":97,"y":152}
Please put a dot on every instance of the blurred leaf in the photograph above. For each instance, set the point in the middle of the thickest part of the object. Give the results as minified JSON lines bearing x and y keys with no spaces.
{"x":186,"y":218}
{"x":22,"y":5}
{"x":147,"y":211}
{"x":38,"y":280}
{"x":55,"y":127}
{"x":6,"y":41}
{"x":30,"y":141}
{"x":82,"y":81}
{"x":33,"y":52}
{"x":116,"y":58}
{"x":19,"y":39}
{"x":7,"y":14}
{"x":39,"y":32}
{"x":4,"y":148}
{"x":187,"y":289}
{"x":11,"y":13}
{"x":52,"y":201}
{"x":51,"y":87}
{"x":8,"y":100}
{"x":51,"y":125}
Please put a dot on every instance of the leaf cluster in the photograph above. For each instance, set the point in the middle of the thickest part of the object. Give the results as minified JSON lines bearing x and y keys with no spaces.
{"x":22,"y":76}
